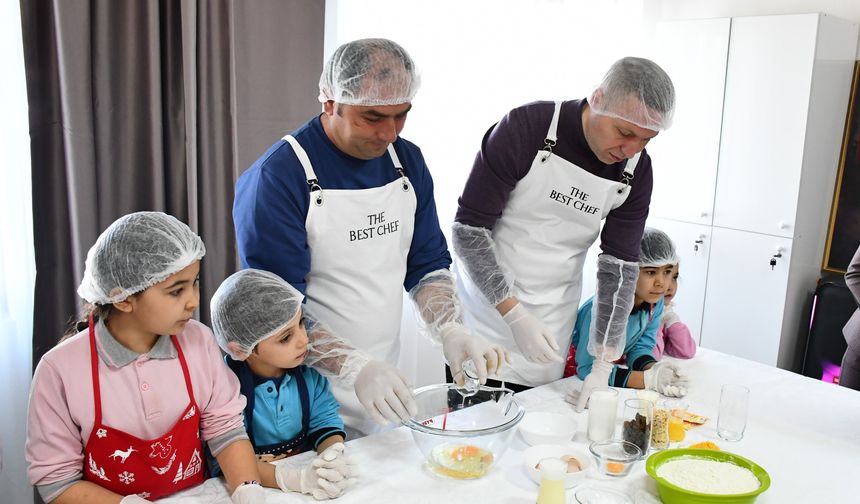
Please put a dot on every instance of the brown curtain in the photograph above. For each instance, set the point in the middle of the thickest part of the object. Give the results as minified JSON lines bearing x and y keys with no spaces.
{"x":154,"y":105}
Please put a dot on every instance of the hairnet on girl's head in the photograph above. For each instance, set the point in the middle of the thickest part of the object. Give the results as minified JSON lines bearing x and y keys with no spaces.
{"x":636,"y":90}
{"x":136,"y":252}
{"x":656,"y":249}
{"x":369,"y":72}
{"x":248,"y":307}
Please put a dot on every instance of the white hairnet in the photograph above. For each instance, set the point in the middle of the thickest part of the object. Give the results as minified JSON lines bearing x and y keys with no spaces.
{"x":656,"y":249}
{"x":136,"y":252}
{"x":636,"y":90}
{"x":369,"y":72}
{"x":248,"y":307}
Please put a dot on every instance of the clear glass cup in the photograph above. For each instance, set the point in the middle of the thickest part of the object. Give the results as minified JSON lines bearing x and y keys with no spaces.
{"x":602,"y":412}
{"x":732,"y":414}
{"x":660,"y":429}
{"x":636,"y":423}
{"x":676,"y":410}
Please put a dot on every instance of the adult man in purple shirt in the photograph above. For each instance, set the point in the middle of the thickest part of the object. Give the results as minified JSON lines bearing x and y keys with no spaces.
{"x":546,"y":176}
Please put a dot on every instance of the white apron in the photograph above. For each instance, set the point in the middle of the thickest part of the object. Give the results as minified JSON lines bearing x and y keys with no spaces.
{"x":551,"y":218}
{"x":359,"y":240}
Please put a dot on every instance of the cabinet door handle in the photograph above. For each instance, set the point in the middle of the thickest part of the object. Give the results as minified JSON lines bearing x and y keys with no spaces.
{"x":774,"y":258}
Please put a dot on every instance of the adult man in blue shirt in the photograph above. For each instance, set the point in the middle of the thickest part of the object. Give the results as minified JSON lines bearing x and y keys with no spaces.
{"x":343,"y":210}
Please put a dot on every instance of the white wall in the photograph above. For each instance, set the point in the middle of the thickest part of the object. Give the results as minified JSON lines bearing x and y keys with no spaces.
{"x":17,"y":263}
{"x":480,"y":58}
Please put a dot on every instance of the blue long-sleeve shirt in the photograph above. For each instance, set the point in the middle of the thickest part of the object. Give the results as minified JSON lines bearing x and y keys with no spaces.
{"x":272,"y":201}
{"x":642,"y":327}
{"x":278,"y":409}
{"x":277,"y":412}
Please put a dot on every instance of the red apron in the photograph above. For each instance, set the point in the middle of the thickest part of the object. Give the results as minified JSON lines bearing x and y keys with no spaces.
{"x":151,"y":468}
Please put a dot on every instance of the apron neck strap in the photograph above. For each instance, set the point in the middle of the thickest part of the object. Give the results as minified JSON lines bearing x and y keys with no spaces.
{"x":552,"y":133}
{"x":185,"y":372}
{"x":94,"y":367}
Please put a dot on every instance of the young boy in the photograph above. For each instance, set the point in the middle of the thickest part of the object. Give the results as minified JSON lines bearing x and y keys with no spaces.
{"x":258,"y":321}
{"x":657,"y":261}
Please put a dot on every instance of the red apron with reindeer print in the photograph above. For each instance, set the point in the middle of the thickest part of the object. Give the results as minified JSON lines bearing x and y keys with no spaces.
{"x":151,"y":468}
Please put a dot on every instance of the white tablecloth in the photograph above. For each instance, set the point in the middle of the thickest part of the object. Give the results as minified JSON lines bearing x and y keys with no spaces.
{"x":804,"y":432}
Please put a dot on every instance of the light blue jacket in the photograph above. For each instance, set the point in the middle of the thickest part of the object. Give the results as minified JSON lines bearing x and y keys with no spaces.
{"x":642,"y":326}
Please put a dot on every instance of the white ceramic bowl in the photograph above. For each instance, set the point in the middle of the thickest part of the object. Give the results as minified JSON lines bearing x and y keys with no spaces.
{"x":535,"y":454}
{"x":547,"y":428}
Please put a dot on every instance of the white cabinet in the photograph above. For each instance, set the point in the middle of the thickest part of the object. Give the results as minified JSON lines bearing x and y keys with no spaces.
{"x":787,"y":81}
{"x":745,"y":298}
{"x":693,"y":53}
{"x":768,"y":83}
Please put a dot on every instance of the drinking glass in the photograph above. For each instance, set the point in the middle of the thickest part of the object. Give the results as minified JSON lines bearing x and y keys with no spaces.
{"x":602,"y":410}
{"x":676,"y":410}
{"x":732,"y":415}
{"x":637,"y":419}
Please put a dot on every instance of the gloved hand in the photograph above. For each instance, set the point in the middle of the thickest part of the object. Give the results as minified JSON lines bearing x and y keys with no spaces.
{"x":459,"y":345}
{"x":669,"y":315}
{"x":134,"y":499}
{"x":384,"y":393}
{"x":667,"y":379}
{"x":336,"y":467}
{"x":248,"y":494}
{"x":325,"y":477}
{"x":599,"y":377}
{"x":533,"y":338}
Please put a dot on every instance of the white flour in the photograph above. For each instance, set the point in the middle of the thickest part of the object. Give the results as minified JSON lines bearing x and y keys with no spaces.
{"x":708,"y":476}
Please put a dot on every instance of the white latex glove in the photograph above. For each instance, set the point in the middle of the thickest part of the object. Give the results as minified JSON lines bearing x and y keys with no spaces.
{"x":669,"y":315}
{"x":599,"y":377}
{"x":667,"y":379}
{"x":248,"y":494}
{"x":459,"y":345}
{"x":533,"y":338}
{"x":325,"y":477}
{"x":384,"y":393}
{"x":133,"y":499}
{"x":336,"y":467}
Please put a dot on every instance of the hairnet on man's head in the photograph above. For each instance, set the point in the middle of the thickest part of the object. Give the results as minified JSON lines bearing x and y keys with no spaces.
{"x":636,"y":90}
{"x":369,"y":72}
{"x":656,"y":249}
{"x":136,"y":252}
{"x":250,"y":306}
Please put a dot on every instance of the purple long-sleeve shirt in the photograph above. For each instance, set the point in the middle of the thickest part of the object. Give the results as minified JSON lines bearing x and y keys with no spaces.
{"x":506,"y":155}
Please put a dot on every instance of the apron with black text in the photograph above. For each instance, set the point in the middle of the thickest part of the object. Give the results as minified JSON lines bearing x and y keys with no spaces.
{"x":359,"y":240}
{"x":551,"y":219}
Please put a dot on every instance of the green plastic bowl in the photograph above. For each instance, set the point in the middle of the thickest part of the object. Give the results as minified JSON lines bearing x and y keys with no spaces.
{"x":671,"y":494}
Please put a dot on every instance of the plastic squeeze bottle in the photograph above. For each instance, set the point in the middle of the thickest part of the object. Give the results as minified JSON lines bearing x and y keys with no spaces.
{"x":552,"y":472}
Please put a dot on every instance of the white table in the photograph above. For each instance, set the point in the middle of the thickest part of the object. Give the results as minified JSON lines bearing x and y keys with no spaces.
{"x":804,"y":432}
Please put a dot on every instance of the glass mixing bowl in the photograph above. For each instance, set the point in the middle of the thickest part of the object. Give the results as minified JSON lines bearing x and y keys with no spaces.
{"x":463,"y":432}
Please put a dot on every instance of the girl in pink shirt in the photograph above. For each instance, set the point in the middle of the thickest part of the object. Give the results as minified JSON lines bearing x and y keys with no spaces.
{"x":119,"y":411}
{"x":673,"y":336}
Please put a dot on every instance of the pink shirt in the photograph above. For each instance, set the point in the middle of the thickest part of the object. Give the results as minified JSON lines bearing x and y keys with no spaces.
{"x":676,"y":339}
{"x":142,"y":394}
